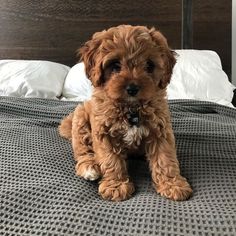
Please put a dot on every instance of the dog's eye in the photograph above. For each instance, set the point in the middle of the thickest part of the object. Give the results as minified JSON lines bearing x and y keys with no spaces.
{"x":150,"y":66}
{"x":115,"y":66}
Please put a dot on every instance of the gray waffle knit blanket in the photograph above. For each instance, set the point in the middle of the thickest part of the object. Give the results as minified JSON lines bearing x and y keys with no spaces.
{"x":41,"y":195}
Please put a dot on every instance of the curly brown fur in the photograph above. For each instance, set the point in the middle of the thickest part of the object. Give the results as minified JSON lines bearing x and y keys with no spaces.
{"x":130,"y":67}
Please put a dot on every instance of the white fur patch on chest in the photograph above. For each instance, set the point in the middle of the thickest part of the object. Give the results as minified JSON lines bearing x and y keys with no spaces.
{"x":134,"y":135}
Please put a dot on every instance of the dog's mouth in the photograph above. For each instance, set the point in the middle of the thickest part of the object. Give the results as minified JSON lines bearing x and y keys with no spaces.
{"x":131,"y":100}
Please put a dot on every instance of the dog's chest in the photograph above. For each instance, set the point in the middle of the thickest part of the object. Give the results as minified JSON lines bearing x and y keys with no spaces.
{"x":134,"y":135}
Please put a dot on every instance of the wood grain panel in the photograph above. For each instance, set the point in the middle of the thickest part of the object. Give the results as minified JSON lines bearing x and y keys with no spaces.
{"x":212,"y":28}
{"x":54,"y":29}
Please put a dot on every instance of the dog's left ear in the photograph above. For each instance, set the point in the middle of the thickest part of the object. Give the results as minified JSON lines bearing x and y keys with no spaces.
{"x":167,"y":57}
{"x":89,"y":54}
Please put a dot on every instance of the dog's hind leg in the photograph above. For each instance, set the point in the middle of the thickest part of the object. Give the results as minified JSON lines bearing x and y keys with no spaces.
{"x":66,"y":126}
{"x":82,"y":145}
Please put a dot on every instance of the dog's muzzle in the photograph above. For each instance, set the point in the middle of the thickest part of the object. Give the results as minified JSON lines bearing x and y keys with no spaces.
{"x":132,"y":89}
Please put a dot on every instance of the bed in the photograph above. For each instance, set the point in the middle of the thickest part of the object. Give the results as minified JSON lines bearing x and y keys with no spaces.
{"x":39,"y":191}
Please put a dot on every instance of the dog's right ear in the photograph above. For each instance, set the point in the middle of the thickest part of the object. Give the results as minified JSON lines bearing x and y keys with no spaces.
{"x":89,"y":54}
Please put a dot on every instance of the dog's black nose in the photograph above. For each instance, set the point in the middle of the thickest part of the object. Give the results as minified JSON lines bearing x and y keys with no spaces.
{"x":132,"y":89}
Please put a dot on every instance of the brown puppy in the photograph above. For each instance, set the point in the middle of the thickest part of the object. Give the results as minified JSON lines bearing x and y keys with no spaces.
{"x":130,"y":67}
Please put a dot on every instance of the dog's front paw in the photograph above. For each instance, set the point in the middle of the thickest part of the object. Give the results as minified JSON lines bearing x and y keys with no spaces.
{"x":88,"y":170}
{"x":116,"y":190}
{"x":176,"y":188}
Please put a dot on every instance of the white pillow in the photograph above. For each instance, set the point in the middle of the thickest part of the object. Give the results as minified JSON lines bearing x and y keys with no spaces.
{"x":198,"y":75}
{"x":77,"y":86}
{"x":28,"y":78}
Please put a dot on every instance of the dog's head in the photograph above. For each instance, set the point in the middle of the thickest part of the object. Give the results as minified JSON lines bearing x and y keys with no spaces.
{"x":128,"y":62}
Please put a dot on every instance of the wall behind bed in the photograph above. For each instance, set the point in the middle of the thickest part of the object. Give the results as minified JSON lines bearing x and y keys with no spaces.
{"x":54,"y":29}
{"x":212,"y":20}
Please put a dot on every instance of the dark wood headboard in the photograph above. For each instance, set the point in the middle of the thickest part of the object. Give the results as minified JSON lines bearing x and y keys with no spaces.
{"x":54,"y":29}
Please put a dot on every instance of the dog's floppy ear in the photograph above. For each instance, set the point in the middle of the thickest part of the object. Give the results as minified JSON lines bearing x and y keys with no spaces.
{"x":167,"y":56}
{"x":89,"y":54}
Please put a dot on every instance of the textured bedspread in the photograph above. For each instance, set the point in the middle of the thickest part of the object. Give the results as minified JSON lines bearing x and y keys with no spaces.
{"x":40,"y":194}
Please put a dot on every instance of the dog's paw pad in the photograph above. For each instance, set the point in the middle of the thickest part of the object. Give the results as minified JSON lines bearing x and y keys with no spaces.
{"x":91,"y":174}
